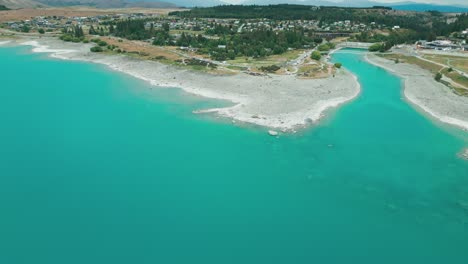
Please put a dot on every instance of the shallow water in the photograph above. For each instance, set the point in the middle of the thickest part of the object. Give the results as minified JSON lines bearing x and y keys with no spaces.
{"x":97,"y":167}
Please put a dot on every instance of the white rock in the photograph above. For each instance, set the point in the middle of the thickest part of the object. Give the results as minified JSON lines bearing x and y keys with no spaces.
{"x":273,"y":133}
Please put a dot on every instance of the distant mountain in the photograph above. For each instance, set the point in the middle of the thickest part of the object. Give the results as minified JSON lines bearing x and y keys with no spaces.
{"x":15,"y":4}
{"x":147,"y":4}
{"x":96,"y":3}
{"x":307,"y":2}
{"x":411,"y":6}
{"x":109,"y":3}
{"x":194,"y":3}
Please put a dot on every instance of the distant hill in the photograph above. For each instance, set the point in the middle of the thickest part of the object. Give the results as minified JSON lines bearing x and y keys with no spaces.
{"x":14,"y":4}
{"x":425,"y":7}
{"x":407,"y":6}
{"x":186,"y":3}
{"x":109,"y":3}
{"x":147,"y":4}
{"x":96,"y":3}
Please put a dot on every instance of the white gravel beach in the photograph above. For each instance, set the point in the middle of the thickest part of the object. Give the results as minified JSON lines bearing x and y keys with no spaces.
{"x":280,"y":102}
{"x":421,"y":89}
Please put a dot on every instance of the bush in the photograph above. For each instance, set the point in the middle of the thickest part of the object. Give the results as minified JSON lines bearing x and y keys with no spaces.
{"x":85,"y":41}
{"x":272,"y":68}
{"x":25,"y":29}
{"x":102,"y":43}
{"x":323,"y":47}
{"x":41,"y":31}
{"x":450,"y":69}
{"x":326,"y":47}
{"x":338,"y":65}
{"x":375,"y":47}
{"x":438,"y":76}
{"x":70,"y":38}
{"x":316,"y":55}
{"x":96,"y":49}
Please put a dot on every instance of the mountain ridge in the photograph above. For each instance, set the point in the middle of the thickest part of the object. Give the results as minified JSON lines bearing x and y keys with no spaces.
{"x":406,"y":6}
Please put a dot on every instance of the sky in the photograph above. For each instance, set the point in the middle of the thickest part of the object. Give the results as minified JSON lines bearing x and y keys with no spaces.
{"x":440,"y":2}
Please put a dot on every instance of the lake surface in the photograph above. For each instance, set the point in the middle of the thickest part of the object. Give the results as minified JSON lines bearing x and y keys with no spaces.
{"x":98,"y":167}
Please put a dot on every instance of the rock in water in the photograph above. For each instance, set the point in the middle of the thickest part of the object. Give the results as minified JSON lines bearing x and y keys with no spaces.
{"x":273,"y":133}
{"x":465,"y":154}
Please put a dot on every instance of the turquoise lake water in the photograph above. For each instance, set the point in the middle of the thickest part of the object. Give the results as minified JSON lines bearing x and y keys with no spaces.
{"x":98,"y":167}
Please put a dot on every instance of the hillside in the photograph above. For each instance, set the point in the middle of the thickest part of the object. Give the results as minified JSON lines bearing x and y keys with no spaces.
{"x":15,"y":4}
{"x":427,"y":7}
{"x":187,"y":3}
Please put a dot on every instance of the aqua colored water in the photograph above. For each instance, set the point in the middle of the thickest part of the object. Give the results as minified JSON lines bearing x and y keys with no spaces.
{"x":97,"y":167}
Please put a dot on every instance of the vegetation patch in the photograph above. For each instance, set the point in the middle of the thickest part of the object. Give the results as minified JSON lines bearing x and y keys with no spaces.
{"x":271,"y":68}
{"x":432,"y":67}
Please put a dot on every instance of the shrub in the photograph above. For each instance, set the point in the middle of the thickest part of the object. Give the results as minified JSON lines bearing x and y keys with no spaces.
{"x":450,"y":69}
{"x":96,"y":49}
{"x":338,"y":65}
{"x":375,"y":47}
{"x":316,"y":55}
{"x":25,"y":29}
{"x":326,"y":47}
{"x":438,"y":76}
{"x":271,"y":68}
{"x":102,"y":43}
{"x":41,"y":31}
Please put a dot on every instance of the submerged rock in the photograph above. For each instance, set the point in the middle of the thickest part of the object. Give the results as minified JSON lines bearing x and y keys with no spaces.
{"x":464,"y":154}
{"x":273,"y":133}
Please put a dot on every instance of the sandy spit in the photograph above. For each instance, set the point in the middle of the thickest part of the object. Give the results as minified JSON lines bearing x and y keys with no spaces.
{"x":422,"y":90}
{"x":280,"y":102}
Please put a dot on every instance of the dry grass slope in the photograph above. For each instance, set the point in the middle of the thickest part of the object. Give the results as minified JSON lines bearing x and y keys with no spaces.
{"x":15,"y":4}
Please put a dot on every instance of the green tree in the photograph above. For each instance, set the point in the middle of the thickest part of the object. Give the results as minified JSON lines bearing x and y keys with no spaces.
{"x":438,"y":76}
{"x":92,"y":31}
{"x":166,"y":27}
{"x":41,"y":31}
{"x":316,"y":55}
{"x":338,"y":65}
{"x":375,"y":47}
{"x":25,"y":29}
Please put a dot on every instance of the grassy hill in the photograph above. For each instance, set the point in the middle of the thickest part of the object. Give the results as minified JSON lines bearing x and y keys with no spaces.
{"x":15,"y":4}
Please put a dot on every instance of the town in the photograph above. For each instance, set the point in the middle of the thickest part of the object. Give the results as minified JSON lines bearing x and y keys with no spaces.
{"x":275,"y":43}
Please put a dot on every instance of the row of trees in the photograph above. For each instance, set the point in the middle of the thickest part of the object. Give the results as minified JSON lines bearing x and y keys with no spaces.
{"x":135,"y":30}
{"x":228,"y":44}
{"x":73,"y":34}
{"x":428,"y":25}
{"x":255,"y":44}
